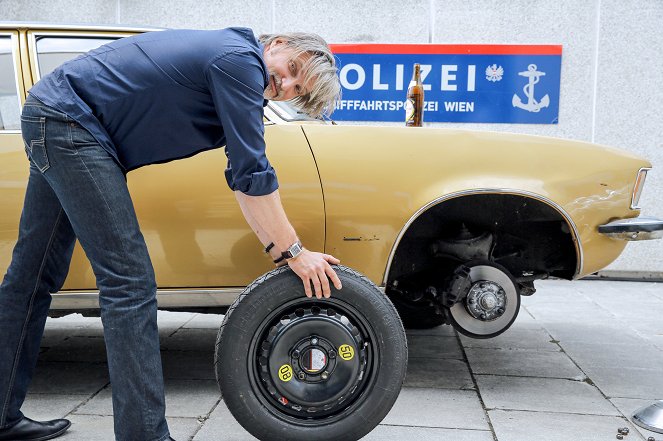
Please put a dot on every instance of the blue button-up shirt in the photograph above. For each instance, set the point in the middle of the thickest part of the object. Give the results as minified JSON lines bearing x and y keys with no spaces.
{"x":167,"y":95}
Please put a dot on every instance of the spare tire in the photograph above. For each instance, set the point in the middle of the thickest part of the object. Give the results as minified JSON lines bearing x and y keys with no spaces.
{"x":296,"y":368}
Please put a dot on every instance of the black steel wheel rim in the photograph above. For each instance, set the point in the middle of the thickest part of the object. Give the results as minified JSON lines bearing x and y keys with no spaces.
{"x":313,"y":362}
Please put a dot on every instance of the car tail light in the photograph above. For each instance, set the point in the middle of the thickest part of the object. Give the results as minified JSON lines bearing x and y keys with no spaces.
{"x":637,"y":188}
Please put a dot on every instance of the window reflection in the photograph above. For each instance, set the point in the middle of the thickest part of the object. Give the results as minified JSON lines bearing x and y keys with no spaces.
{"x":53,"y":51}
{"x":10,"y":104}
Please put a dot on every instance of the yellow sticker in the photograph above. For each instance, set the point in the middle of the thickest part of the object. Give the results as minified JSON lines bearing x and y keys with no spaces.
{"x":285,"y":372}
{"x":346,"y":352}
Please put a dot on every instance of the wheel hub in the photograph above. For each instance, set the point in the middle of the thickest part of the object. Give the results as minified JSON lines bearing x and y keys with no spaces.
{"x":486,"y":300}
{"x":491,"y":304}
{"x":312,"y":361}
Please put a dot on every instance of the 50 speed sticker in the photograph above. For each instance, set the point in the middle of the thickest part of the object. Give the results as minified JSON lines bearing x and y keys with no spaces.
{"x":285,"y":373}
{"x":346,"y":352}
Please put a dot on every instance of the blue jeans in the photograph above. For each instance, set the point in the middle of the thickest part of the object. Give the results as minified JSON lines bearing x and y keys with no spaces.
{"x":77,"y":190}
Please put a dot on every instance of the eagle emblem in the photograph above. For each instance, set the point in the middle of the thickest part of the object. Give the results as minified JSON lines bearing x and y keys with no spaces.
{"x":494,"y":73}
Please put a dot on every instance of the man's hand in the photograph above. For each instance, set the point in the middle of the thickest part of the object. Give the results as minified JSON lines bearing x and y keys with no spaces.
{"x":314,"y":268}
{"x":266,"y":217}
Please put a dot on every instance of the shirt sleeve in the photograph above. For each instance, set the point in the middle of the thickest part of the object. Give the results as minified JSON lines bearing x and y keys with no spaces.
{"x":236,"y":81}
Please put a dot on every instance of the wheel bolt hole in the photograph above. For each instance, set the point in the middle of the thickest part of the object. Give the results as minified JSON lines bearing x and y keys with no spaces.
{"x":299,"y":312}
{"x":315,"y":310}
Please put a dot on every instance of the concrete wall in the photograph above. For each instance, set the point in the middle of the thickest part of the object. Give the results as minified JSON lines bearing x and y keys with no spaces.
{"x":612,"y":67}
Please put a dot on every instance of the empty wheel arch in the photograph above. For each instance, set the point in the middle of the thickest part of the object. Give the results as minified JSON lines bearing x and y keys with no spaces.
{"x":528,"y":236}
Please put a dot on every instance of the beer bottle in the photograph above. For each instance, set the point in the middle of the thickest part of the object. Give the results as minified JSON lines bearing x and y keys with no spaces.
{"x":414,"y":106}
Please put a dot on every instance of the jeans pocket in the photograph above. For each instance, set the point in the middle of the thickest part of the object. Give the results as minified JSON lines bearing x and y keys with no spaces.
{"x":34,"y":132}
{"x":80,"y":136}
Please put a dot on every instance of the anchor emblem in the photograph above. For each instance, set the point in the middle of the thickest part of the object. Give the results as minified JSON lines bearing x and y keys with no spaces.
{"x":532,"y":104}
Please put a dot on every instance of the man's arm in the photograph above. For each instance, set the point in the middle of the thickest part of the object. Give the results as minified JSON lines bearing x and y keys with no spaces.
{"x":236,"y":82}
{"x":268,"y":220}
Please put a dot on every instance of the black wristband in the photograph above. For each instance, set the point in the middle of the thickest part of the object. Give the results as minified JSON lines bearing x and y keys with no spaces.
{"x":269,"y":247}
{"x":279,"y":260}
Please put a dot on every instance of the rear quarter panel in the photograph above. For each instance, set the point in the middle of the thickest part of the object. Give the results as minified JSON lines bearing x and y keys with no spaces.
{"x":376,"y":178}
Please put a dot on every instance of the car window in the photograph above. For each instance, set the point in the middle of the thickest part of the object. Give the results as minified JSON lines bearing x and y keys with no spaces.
{"x":53,"y":51}
{"x":10,"y":104}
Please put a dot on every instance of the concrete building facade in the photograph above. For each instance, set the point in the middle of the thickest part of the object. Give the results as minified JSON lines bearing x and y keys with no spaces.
{"x":612,"y":66}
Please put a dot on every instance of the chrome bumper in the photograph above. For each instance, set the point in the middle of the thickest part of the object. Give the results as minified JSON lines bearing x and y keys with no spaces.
{"x":637,"y":228}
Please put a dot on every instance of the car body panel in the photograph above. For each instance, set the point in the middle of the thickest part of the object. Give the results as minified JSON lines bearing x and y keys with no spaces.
{"x":193,"y":226}
{"x":359,"y":174}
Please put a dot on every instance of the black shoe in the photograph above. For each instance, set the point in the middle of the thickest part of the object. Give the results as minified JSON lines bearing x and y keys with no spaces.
{"x":29,"y":430}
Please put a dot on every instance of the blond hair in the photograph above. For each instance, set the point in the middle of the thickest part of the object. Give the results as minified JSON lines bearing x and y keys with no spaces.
{"x":320,"y":68}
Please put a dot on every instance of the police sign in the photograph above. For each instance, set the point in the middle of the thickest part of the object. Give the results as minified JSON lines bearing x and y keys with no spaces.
{"x":462,"y":83}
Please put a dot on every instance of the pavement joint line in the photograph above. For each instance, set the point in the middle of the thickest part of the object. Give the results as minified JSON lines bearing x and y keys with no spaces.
{"x":206,"y":418}
{"x":537,"y":377}
{"x":188,"y":321}
{"x":96,"y":414}
{"x":619,"y":319}
{"x":587,"y":379}
{"x":440,"y":388}
{"x":436,"y":358}
{"x":476,"y":387}
{"x":523,"y":308}
{"x":181,"y":326}
{"x":556,"y":412}
{"x":84,"y":402}
{"x":542,"y":351}
{"x":474,"y":348}
{"x":418,"y":426}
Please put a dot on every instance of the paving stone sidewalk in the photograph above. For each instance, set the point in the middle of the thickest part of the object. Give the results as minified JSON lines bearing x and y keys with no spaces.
{"x":581,"y":357}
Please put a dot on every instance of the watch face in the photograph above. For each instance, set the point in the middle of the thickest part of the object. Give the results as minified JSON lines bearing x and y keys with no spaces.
{"x":295,"y":250}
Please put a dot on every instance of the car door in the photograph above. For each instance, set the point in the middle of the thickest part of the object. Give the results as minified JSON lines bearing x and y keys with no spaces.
{"x":192,"y":224}
{"x":13,"y":160}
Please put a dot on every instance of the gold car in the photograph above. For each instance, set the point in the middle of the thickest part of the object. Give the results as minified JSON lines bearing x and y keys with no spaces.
{"x":454,"y":225}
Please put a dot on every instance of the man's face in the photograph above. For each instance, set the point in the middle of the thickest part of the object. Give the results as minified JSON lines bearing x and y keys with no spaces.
{"x":286,"y":76}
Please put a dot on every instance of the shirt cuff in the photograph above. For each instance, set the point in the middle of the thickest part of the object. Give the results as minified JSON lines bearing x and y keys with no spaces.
{"x":256,"y":184}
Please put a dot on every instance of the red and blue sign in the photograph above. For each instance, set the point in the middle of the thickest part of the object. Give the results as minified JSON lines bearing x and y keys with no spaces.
{"x":462,"y":83}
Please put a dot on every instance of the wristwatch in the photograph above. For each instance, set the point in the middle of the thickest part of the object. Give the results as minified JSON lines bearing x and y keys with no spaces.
{"x":293,"y":251}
